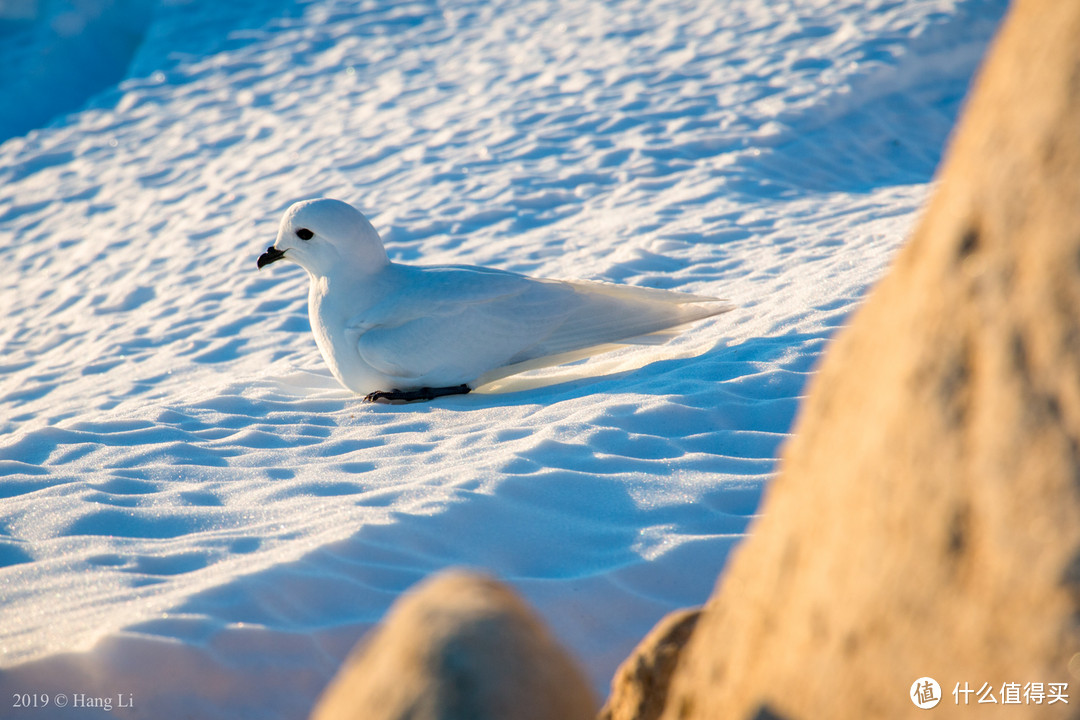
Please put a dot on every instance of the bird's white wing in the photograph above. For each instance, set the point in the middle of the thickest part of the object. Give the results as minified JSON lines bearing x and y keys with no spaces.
{"x":412,"y":292}
{"x":457,"y":328}
{"x":457,"y":324}
{"x":604,"y":313}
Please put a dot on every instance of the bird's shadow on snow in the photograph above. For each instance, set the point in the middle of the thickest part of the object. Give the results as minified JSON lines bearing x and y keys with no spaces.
{"x":744,"y":364}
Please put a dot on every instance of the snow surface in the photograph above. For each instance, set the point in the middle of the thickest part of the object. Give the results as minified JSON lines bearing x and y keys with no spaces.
{"x":194,"y":513}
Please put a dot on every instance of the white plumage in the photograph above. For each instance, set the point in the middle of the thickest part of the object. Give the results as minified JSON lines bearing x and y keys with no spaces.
{"x":386,"y":326}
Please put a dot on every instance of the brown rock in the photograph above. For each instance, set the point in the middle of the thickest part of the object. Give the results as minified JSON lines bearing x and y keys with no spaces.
{"x":640,"y":686}
{"x":926,"y":518}
{"x":458,"y":647}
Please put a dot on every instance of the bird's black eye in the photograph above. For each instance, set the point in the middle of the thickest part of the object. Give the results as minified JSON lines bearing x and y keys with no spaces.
{"x":304,"y":234}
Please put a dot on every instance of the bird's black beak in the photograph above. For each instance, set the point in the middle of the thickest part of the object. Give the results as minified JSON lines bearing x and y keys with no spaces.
{"x":271,"y":255}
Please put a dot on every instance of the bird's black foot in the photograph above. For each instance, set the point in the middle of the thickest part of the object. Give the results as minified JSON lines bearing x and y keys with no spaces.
{"x":400,"y":397}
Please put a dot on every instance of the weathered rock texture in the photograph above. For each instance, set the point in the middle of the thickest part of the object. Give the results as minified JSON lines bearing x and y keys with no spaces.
{"x":926,"y":519}
{"x":640,"y":686}
{"x":459,"y":647}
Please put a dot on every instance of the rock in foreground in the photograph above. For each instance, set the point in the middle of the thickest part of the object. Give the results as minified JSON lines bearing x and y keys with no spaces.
{"x":926,"y":520}
{"x":458,"y":647}
{"x":640,"y":687}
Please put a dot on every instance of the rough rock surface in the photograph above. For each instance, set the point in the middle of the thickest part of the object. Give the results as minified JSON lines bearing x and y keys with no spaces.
{"x":458,"y":647}
{"x":926,"y":518}
{"x":640,"y":686}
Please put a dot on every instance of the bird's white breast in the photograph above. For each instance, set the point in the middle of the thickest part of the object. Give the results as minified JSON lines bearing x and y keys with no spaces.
{"x":337,"y":342}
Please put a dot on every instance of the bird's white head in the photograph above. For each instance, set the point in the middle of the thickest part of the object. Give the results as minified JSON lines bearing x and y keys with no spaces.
{"x":325,"y":235}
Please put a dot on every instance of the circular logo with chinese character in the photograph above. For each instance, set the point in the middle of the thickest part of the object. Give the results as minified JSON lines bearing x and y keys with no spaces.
{"x":925,"y":693}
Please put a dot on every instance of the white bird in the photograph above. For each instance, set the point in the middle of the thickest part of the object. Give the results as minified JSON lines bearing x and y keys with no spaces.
{"x":397,"y":333}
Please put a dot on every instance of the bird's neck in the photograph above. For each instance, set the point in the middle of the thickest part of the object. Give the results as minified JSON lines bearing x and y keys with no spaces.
{"x":336,"y":296}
